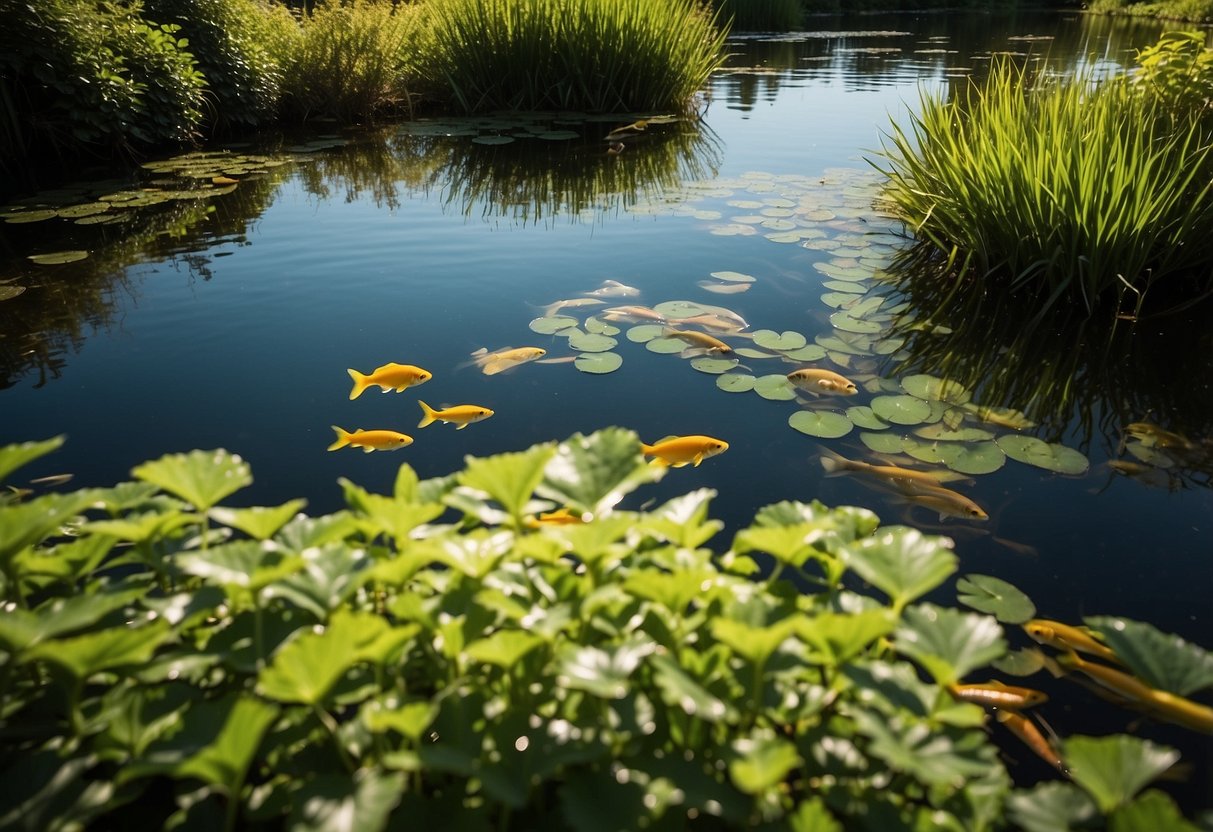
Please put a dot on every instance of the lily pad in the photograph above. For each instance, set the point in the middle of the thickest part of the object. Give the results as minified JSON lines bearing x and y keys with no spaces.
{"x":840,"y":300}
{"x":995,"y":596}
{"x":31,"y":216}
{"x":940,"y":432}
{"x":600,"y":327}
{"x":10,"y":292}
{"x":837,"y":272}
{"x":553,"y":324}
{"x":882,"y":443}
{"x":493,"y":140}
{"x":58,"y":257}
{"x":864,"y":417}
{"x":935,"y":389}
{"x":679,"y":309}
{"x":846,"y":342}
{"x":932,"y":452}
{"x":811,"y":352}
{"x":714,"y":366}
{"x":901,"y":410}
{"x":1051,"y":457}
{"x":557,"y":135}
{"x":645,"y":332}
{"x":590,"y":342}
{"x":821,"y":423}
{"x":775,"y":387}
{"x":783,"y":237}
{"x":598,"y":363}
{"x":665,"y":346}
{"x":733,"y":277}
{"x":772,"y":340}
{"x":847,"y":323}
{"x":976,"y":458}
{"x":735,"y":382}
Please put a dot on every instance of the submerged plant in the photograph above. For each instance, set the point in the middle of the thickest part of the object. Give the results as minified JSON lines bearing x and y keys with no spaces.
{"x":445,"y":656}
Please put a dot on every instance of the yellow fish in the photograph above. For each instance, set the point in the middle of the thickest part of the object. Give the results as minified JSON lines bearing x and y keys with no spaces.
{"x":904,"y":478}
{"x":1154,"y":436}
{"x":713,"y":320}
{"x":632,"y":313}
{"x":1161,"y":704}
{"x":389,"y":377}
{"x":697,"y":339}
{"x":998,"y":695}
{"x":1065,"y":637}
{"x":822,"y":382}
{"x":947,"y":502}
{"x":552,"y":308}
{"x":559,"y":517}
{"x":370,"y":440}
{"x":678,"y":451}
{"x":492,"y":363}
{"x":461,"y":414}
{"x":1030,"y":735}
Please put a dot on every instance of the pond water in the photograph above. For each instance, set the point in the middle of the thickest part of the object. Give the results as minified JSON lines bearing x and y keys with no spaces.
{"x":230,"y":320}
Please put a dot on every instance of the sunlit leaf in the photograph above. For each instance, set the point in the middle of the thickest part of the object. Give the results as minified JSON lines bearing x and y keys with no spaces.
{"x":201,"y":478}
{"x":1160,"y":659}
{"x":602,"y":672}
{"x":935,"y":389}
{"x":935,"y":756}
{"x":504,"y":648}
{"x":1023,"y":662}
{"x":1051,"y":457}
{"x":244,"y":564}
{"x":552,"y":324}
{"x":410,"y":719}
{"x":775,"y":387}
{"x":15,"y":456}
{"x":593,"y":473}
{"x":679,"y":690}
{"x":679,"y":309}
{"x":645,"y":332}
{"x":864,"y":417}
{"x":714,"y":366}
{"x":27,"y":523}
{"x":84,"y":655}
{"x":58,"y":258}
{"x":977,"y":458}
{"x":825,"y":424}
{"x":845,"y":322}
{"x":590,"y":342}
{"x":754,"y":643}
{"x":1152,"y":810}
{"x":771,"y":340}
{"x":1051,"y":807}
{"x":340,"y":803}
{"x":762,"y":762}
{"x":508,"y":478}
{"x":1114,"y":769}
{"x":995,"y":596}
{"x":811,"y":352}
{"x":258,"y":522}
{"x":901,"y":410}
{"x":10,"y":292}
{"x":947,"y":643}
{"x":940,"y":432}
{"x":665,"y":346}
{"x":882,"y":443}
{"x":902,"y":562}
{"x":839,"y":637}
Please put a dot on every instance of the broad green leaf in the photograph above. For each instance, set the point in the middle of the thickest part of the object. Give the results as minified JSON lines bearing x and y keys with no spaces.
{"x":340,"y":803}
{"x":83,"y":655}
{"x":1161,"y":659}
{"x":995,"y":596}
{"x":598,"y":363}
{"x":504,"y":648}
{"x":820,"y":423}
{"x":839,"y":637}
{"x":733,"y":277}
{"x":890,"y":686}
{"x":901,"y":410}
{"x":476,"y":553}
{"x":813,"y":816}
{"x":755,"y":644}
{"x":779,"y":341}
{"x":939,"y":432}
{"x":680,"y":690}
{"x":258,"y":522}
{"x":1114,"y":769}
{"x":201,"y":478}
{"x":735,"y":382}
{"x":508,"y":478}
{"x":224,"y":761}
{"x":29,"y":523}
{"x":1033,"y":451}
{"x":67,"y":562}
{"x":673,"y":590}
{"x":643,"y":333}
{"x":58,"y":258}
{"x":762,"y":762}
{"x":13,"y":457}
{"x":605,"y":673}
{"x":864,"y":417}
{"x":593,"y":473}
{"x":1153,"y":810}
{"x":714,"y":366}
{"x":934,"y":755}
{"x":977,"y":458}
{"x":329,"y":576}
{"x":405,"y":487}
{"x":683,"y":520}
{"x":1051,"y":807}
{"x":138,"y":528}
{"x":935,"y":389}
{"x":1023,"y":662}
{"x":410,"y":719}
{"x":775,"y":387}
{"x":592,"y":542}
{"x":391,"y":516}
{"x":244,"y":564}
{"x":21,"y":629}
{"x":882,"y":443}
{"x":947,"y":643}
{"x":902,"y":562}
{"x":595,"y":802}
{"x":787,"y":544}
{"x":590,"y":342}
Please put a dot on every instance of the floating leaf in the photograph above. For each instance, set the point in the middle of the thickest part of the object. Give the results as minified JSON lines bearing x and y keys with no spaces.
{"x":882,"y":443}
{"x":679,"y":309}
{"x":845,"y":287}
{"x":645,"y":332}
{"x":557,"y":135}
{"x":590,"y":342}
{"x":1023,"y":662}
{"x":714,"y":366}
{"x":995,"y":596}
{"x":31,"y":216}
{"x":600,"y":327}
{"x":864,"y":417}
{"x":598,"y":363}
{"x":1051,"y":457}
{"x":1161,"y":659}
{"x":977,"y":458}
{"x":935,"y":389}
{"x":1114,"y":769}
{"x":10,"y":292}
{"x":201,"y":478}
{"x":942,"y":433}
{"x":901,"y":410}
{"x":665,"y":346}
{"x":733,"y":277}
{"x":840,"y":300}
{"x":771,"y":340}
{"x":553,"y":324}
{"x":749,"y":352}
{"x":932,"y":452}
{"x":812,"y":352}
{"x":821,"y":423}
{"x":735,"y":382}
{"x":494,"y":140}
{"x":775,"y":387}
{"x":58,"y":258}
{"x":844,"y":321}
{"x":947,"y":643}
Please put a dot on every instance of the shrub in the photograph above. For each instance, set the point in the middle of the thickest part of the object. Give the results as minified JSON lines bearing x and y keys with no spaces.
{"x":233,"y":44}
{"x":354,"y":59}
{"x":85,"y":75}
{"x":589,"y":55}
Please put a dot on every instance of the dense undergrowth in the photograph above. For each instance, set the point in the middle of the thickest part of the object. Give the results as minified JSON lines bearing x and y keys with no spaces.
{"x":1196,"y":11}
{"x":441,"y":657}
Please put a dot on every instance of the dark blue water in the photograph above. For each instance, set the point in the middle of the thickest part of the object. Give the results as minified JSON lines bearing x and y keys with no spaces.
{"x":236,"y":329}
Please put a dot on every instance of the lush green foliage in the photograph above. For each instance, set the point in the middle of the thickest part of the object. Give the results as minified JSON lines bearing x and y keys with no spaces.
{"x":435,"y":658}
{"x":233,"y":42}
{"x":79,"y":73}
{"x":760,"y":15}
{"x":1199,"y":11}
{"x":608,"y":55}
{"x":1062,"y":187}
{"x":354,"y":59}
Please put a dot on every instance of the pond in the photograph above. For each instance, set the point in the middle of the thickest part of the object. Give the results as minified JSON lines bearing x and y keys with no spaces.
{"x":230,"y":320}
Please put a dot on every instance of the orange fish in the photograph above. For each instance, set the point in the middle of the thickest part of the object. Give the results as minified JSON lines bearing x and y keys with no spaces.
{"x":998,"y":695}
{"x":461,"y":414}
{"x":389,"y":377}
{"x":697,"y":339}
{"x":678,"y":451}
{"x":822,"y":382}
{"x":492,"y":363}
{"x":370,"y":440}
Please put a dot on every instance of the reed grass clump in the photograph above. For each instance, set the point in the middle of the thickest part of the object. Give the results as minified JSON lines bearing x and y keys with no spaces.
{"x":592,"y":55}
{"x":353,"y":60}
{"x":1059,"y":188}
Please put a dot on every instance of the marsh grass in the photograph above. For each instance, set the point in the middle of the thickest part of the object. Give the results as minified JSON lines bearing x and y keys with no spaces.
{"x":353,"y":60}
{"x":1060,"y":188}
{"x":591,"y":55}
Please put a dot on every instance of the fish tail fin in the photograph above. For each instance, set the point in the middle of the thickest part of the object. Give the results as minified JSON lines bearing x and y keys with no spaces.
{"x":668,"y":331}
{"x":343,"y":438}
{"x":646,"y":449}
{"x":481,"y":351}
{"x":360,"y":383}
{"x":833,"y":463}
{"x":428,"y":418}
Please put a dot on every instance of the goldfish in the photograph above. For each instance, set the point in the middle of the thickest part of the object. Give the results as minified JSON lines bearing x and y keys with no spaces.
{"x":389,"y":377}
{"x":492,"y":363}
{"x":614,"y":289}
{"x":998,"y":695}
{"x":712,"y":320}
{"x":461,"y":414}
{"x":822,"y":382}
{"x":678,"y":451}
{"x":697,"y":339}
{"x":552,"y":308}
{"x":633,"y":313}
{"x":946,"y":502}
{"x":1030,"y":735}
{"x":1002,"y":417}
{"x":1065,"y":637}
{"x":1157,"y":703}
{"x":837,"y":465}
{"x":1154,"y":436}
{"x":370,"y":440}
{"x":559,"y":517}
{"x":723,"y":314}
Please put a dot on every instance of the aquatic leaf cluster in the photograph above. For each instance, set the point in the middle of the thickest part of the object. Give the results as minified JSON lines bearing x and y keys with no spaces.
{"x":438,"y":655}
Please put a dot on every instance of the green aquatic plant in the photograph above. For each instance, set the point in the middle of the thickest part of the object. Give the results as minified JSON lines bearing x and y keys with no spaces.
{"x":445,"y":651}
{"x":596,"y":55}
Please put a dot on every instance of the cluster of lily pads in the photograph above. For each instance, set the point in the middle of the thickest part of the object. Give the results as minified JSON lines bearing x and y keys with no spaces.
{"x":509,"y":127}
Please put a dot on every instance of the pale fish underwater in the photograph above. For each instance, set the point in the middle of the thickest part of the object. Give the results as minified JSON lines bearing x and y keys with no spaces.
{"x":460,"y":414}
{"x":390,"y":376}
{"x":492,"y":363}
{"x":678,"y":451}
{"x":370,"y":440}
